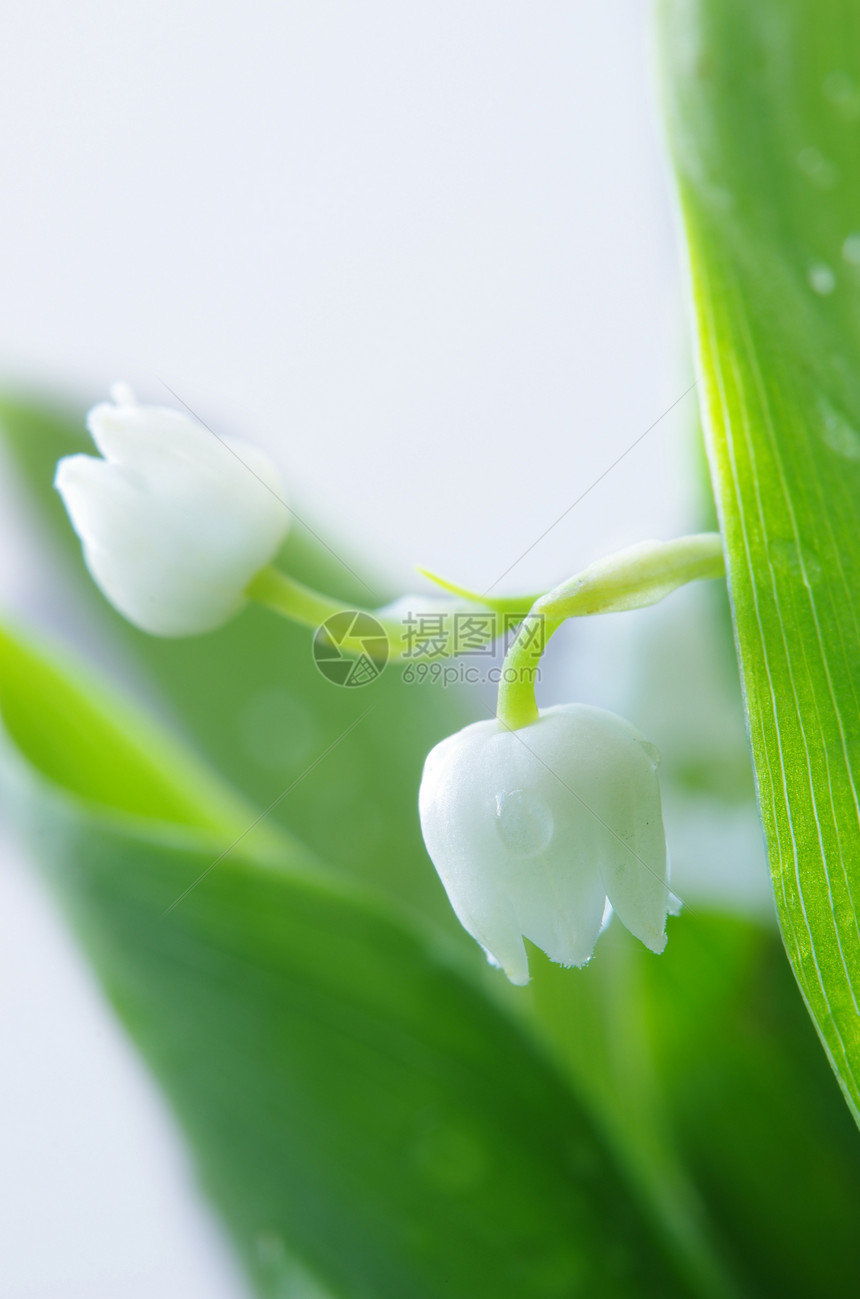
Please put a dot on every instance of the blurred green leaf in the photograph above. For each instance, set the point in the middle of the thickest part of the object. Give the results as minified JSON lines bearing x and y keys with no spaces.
{"x":774,"y":1152}
{"x":708,"y":1080}
{"x":87,"y":740}
{"x":763,"y":104}
{"x":353,"y":1100}
{"x":250,"y":698}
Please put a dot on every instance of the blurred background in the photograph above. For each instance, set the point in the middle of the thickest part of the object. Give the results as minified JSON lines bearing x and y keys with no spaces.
{"x":423,"y":254}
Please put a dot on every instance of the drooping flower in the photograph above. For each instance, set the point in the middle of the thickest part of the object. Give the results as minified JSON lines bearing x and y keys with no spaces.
{"x":532,"y":830}
{"x":175,"y":521}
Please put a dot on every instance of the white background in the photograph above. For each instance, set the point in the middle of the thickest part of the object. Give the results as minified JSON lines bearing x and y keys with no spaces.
{"x":424,"y":254}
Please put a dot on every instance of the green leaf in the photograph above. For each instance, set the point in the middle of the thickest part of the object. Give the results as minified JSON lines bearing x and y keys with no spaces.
{"x":86,"y":739}
{"x":354,"y":1101}
{"x":707,"y":1077}
{"x":774,"y":1152}
{"x":763,"y":104}
{"x":251,"y":699}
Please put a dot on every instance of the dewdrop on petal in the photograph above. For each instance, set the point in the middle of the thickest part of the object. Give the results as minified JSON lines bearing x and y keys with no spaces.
{"x":532,"y":830}
{"x":175,"y":522}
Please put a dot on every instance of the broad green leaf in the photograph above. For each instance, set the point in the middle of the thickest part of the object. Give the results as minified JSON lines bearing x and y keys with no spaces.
{"x":773,"y":1150}
{"x":86,"y":739}
{"x":763,"y":104}
{"x":353,"y":1100}
{"x":251,"y":699}
{"x":708,"y":1080}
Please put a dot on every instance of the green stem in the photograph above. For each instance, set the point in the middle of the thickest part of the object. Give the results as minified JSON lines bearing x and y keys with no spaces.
{"x":292,"y":599}
{"x":510,"y":604}
{"x":301,"y":604}
{"x":631,"y":579}
{"x":517,"y":706}
{"x":639,"y":575}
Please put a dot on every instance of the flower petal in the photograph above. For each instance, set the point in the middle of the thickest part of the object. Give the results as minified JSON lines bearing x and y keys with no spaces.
{"x":453,"y":805}
{"x":176,"y":521}
{"x":527,"y":828}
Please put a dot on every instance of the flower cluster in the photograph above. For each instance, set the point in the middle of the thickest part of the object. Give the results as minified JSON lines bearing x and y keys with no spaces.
{"x":540,"y":825}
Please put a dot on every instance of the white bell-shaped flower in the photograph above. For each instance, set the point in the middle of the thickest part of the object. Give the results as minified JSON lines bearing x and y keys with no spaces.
{"x":175,"y":522}
{"x":532,"y":830}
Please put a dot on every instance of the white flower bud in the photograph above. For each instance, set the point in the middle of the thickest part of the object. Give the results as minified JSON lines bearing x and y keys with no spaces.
{"x":175,"y":522}
{"x":531,"y":831}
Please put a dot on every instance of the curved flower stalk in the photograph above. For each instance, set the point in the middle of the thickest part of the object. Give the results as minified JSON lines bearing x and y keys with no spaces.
{"x":541,"y":823}
{"x":174,"y":521}
{"x":292,"y":599}
{"x":532,"y":831}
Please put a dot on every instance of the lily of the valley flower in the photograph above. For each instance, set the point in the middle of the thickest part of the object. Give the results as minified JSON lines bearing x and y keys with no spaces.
{"x":175,"y":522}
{"x":532,"y":830}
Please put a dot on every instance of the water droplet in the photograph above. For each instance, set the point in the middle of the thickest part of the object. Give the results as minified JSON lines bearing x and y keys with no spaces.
{"x":795,"y":560}
{"x":838,"y":432}
{"x":817,"y":168}
{"x":802,"y":947}
{"x":524,"y":822}
{"x":843,"y":93}
{"x":851,"y":248}
{"x":845,"y":918}
{"x":821,"y":279}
